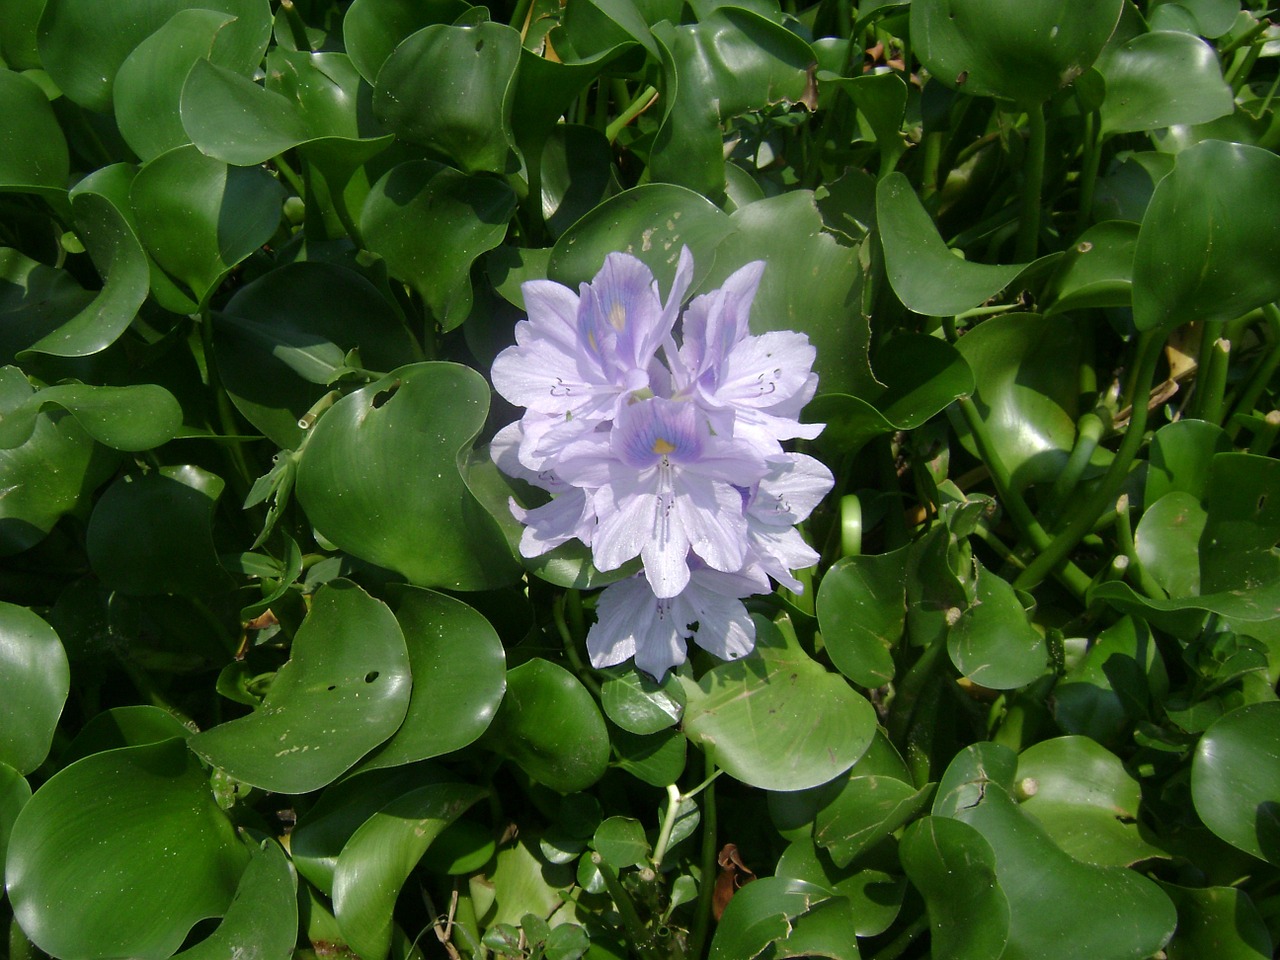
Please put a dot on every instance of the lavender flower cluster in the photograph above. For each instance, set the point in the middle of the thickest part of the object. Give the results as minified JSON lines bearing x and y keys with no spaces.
{"x":667,"y":451}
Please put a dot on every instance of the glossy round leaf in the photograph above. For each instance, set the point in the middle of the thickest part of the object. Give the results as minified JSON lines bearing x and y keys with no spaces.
{"x":762,"y":913}
{"x":373,"y":28}
{"x":1083,"y":796}
{"x":550,"y":725}
{"x":33,"y":151}
{"x":869,"y":808}
{"x":1220,"y":922}
{"x":48,"y":475}
{"x":657,"y":759}
{"x":927,"y":277}
{"x":381,"y":854}
{"x":14,"y":794}
{"x":621,"y":842}
{"x":83,"y":44}
{"x":1242,"y":524}
{"x":199,"y":217}
{"x":1048,"y":891}
{"x":1097,"y":271}
{"x":639,"y":704}
{"x":1024,"y":367}
{"x":652,"y":222}
{"x":731,"y":61}
{"x":992,"y":643}
{"x":776,"y":719}
{"x":970,"y":918}
{"x":1181,"y":456}
{"x":861,"y":611}
{"x":34,"y":681}
{"x":449,"y":88}
{"x":1235,"y":779}
{"x":431,"y":223}
{"x":262,"y":919}
{"x":1209,"y":238}
{"x":235,"y":120}
{"x":1161,"y":79}
{"x":1024,"y":52}
{"x":136,"y":417}
{"x":875,"y":897}
{"x":415,"y":423}
{"x":152,"y":533}
{"x":100,"y":205}
{"x":148,"y":86}
{"x":35,"y":300}
{"x":344,"y":690}
{"x":121,"y":853}
{"x":284,"y":337}
{"x":1167,"y":542}
{"x":131,"y":726}
{"x":459,"y":677}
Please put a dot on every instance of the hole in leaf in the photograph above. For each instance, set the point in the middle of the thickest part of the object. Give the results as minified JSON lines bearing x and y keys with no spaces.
{"x":371,"y":676}
{"x":1262,"y":502}
{"x":479,"y":45}
{"x":382,"y":396}
{"x":332,"y":686}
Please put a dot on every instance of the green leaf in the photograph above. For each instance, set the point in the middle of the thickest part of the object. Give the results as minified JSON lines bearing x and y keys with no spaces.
{"x":1161,"y":79}
{"x":1217,"y":922}
{"x":416,"y":422}
{"x":1047,"y":890}
{"x":325,"y":828}
{"x":449,"y":89}
{"x":18,"y":44}
{"x":927,"y":277}
{"x":35,"y":299}
{"x":121,"y":853}
{"x":1082,"y":795}
{"x":639,"y":704}
{"x":34,"y":681}
{"x":33,"y":151}
{"x":344,"y":690}
{"x":283,"y":338}
{"x":199,"y":217}
{"x":1167,"y":542}
{"x":1209,"y":238}
{"x":262,"y":919}
{"x":14,"y":794}
{"x":577,"y":172}
{"x":1009,"y":49}
{"x":762,"y":913}
{"x":969,"y":919}
{"x":550,"y":725}
{"x":657,"y":759}
{"x":459,"y":678}
{"x":1235,"y":779}
{"x":733,"y":61}
{"x":132,"y":726}
{"x":381,"y":854}
{"x":1111,"y":685}
{"x":1180,"y":458}
{"x":83,"y":44}
{"x":861,"y":611}
{"x":1024,"y":367}
{"x":422,"y":199}
{"x":776,"y":719}
{"x":620,"y":841}
{"x":136,"y":417}
{"x":652,"y":222}
{"x":101,"y":207}
{"x":371,"y":29}
{"x":152,"y":533}
{"x":874,"y":896}
{"x":1097,"y":271}
{"x":148,"y":86}
{"x":48,"y":475}
{"x":992,"y":643}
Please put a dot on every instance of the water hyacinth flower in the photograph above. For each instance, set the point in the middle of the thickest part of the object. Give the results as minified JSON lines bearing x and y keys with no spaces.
{"x":659,"y":435}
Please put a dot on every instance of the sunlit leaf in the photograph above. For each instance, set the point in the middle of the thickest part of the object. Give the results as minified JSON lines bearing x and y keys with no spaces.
{"x":121,"y":853}
{"x":344,"y":690}
{"x":1235,"y":779}
{"x":34,"y":681}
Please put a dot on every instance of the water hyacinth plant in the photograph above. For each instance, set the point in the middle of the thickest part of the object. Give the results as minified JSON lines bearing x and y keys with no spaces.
{"x":677,"y":462}
{"x":639,"y":479}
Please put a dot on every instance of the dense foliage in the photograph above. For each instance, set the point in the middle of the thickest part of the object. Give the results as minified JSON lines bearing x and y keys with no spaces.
{"x":274,"y":675}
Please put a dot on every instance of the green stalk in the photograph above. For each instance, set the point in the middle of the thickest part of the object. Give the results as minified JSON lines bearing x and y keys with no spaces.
{"x":571,"y":648}
{"x":1082,"y":519}
{"x":1124,"y":541}
{"x":1028,"y":526}
{"x":668,"y":824}
{"x":1088,"y":434}
{"x":1265,"y":435}
{"x":642,"y":102}
{"x":707,"y":882}
{"x":640,"y":938}
{"x":1213,"y":381}
{"x":898,"y":946}
{"x":1032,"y":186}
{"x":1260,"y":376}
{"x":1090,"y":163}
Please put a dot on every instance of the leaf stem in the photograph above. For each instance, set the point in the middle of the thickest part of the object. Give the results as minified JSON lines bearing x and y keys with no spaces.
{"x":1128,"y":548}
{"x":641,"y":939}
{"x":898,"y":946}
{"x":1212,"y":382}
{"x":1032,"y":186}
{"x":1260,"y":376}
{"x":1104,"y":494}
{"x":571,"y":647}
{"x":642,"y":102}
{"x":706,"y":882}
{"x":668,"y":824}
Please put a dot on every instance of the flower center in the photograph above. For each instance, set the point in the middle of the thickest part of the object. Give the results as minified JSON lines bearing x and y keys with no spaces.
{"x":663,"y":447}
